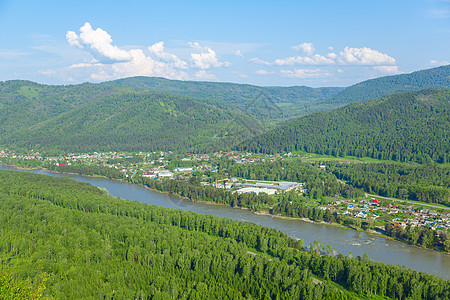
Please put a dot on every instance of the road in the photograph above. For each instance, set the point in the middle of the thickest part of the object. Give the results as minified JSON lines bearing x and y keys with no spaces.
{"x":411,"y":202}
{"x":400,"y":200}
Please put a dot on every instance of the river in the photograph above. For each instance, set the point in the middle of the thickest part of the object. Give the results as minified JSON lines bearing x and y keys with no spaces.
{"x":344,"y":240}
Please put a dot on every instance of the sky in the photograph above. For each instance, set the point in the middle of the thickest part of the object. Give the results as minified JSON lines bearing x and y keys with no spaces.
{"x":320,"y":43}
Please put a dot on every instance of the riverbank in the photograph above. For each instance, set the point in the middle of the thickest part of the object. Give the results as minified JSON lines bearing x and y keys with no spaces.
{"x":260,"y":212}
{"x":371,"y":232}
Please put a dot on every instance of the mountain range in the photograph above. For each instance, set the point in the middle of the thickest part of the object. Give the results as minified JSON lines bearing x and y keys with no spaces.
{"x":147,"y":113}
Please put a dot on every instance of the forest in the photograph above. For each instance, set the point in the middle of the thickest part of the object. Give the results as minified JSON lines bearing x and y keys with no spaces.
{"x":383,"y":86}
{"x":425,"y":183}
{"x":319,"y":184}
{"x":407,"y":127}
{"x":71,"y":240}
{"x":84,"y":117}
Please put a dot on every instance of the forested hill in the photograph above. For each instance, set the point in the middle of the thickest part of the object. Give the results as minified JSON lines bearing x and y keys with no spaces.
{"x":292,"y":101}
{"x":92,"y":117}
{"x":413,"y":126}
{"x":383,"y":86}
{"x":64,"y":239}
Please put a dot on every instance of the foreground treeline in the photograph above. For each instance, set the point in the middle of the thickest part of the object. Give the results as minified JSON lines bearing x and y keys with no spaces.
{"x":425,"y":183}
{"x":93,"y":245}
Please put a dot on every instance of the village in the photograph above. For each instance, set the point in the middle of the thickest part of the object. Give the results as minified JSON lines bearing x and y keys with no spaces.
{"x":160,"y":165}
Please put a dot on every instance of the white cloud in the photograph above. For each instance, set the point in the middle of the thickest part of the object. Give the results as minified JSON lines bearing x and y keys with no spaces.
{"x":206,"y":59}
{"x":305,"y":60}
{"x":158,"y":50}
{"x":238,"y":53}
{"x":332,"y":55}
{"x":202,"y":74}
{"x":73,"y":39}
{"x":263,"y":72}
{"x":387,"y":69}
{"x":439,"y":63}
{"x":305,"y":73}
{"x":307,"y":48}
{"x":259,"y":61}
{"x":111,"y":62}
{"x":364,"y":56}
{"x":99,"y":42}
{"x":349,"y":56}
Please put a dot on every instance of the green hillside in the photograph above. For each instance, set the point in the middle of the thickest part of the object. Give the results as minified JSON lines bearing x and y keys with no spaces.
{"x":290,"y":102}
{"x":90,"y":117}
{"x":383,"y":86}
{"x":413,"y":126}
{"x":66,"y":239}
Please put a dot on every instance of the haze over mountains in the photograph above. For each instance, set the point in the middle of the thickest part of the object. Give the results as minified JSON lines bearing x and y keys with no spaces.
{"x":147,"y":113}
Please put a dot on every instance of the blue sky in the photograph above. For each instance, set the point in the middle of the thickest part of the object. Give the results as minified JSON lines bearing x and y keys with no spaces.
{"x":313,"y":43}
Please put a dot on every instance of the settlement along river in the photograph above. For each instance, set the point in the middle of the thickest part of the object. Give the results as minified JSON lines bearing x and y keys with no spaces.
{"x":345,"y":240}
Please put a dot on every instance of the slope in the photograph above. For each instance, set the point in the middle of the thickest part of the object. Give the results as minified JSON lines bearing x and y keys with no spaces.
{"x":411,"y":126}
{"x":289,"y":102}
{"x":89,"y":245}
{"x":91,"y":117}
{"x":383,"y":86}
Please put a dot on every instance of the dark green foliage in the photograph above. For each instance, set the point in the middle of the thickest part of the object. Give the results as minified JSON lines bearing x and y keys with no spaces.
{"x":293,"y":101}
{"x":426,"y":183}
{"x":89,"y":117}
{"x":97,"y":246}
{"x":383,"y":86}
{"x":411,"y":126}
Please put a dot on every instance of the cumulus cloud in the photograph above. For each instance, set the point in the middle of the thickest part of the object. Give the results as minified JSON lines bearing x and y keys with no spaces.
{"x":387,"y":69}
{"x":364,"y":56}
{"x":305,"y":60}
{"x":307,"y":48}
{"x":98,"y":42}
{"x":206,"y":59}
{"x":305,"y":73}
{"x":349,"y":56}
{"x":111,"y":62}
{"x":158,"y":51}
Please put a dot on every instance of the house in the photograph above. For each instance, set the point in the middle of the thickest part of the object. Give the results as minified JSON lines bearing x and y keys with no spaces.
{"x":282,"y":186}
{"x":149,"y":175}
{"x":184,"y":169}
{"x":166,"y":174}
{"x":257,"y":190}
{"x":400,"y":224}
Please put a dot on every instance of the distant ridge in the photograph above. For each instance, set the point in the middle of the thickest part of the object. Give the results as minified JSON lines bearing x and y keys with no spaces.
{"x":411,"y":126}
{"x":375,"y":88}
{"x":293,"y":101}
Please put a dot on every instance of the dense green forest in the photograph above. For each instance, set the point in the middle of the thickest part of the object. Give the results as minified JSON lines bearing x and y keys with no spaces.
{"x":72,"y":241}
{"x":376,"y":88}
{"x":425,"y":183}
{"x":183,"y":116}
{"x":86,"y":117}
{"x":411,"y":126}
{"x":318,"y":183}
{"x":285,"y":102}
